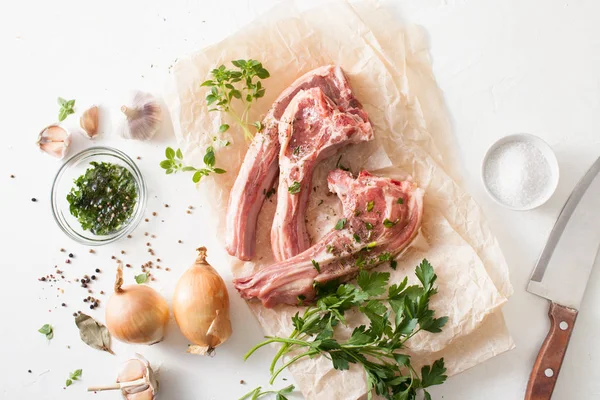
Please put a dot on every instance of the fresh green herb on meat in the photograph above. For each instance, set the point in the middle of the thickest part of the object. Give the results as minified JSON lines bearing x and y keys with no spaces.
{"x":47,"y":331}
{"x":66,"y":108}
{"x":385,"y":257}
{"x":243,"y":82}
{"x":388,"y":224}
{"x":294,"y":188}
{"x":340,"y":224}
{"x":258,"y":393}
{"x":356,"y":237}
{"x":377,"y":348}
{"x":174,"y":163}
{"x":73,"y":376}
{"x":400,"y":200}
{"x":371,"y":245}
{"x":369,"y":226}
{"x":316,"y":265}
{"x":393,"y":264}
{"x":270,"y":192}
{"x":370,"y":205}
{"x":103,"y":198}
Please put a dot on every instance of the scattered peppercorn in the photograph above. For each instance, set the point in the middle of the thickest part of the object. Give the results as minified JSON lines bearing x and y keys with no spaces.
{"x":113,"y":257}
{"x":85,"y":300}
{"x":122,"y":251}
{"x":91,"y":306}
{"x":71,"y":255}
{"x":68,"y":261}
{"x":97,"y":270}
{"x":189,"y":212}
{"x":74,"y":314}
{"x":179,"y":241}
{"x":154,"y":214}
{"x":12,"y":176}
{"x":33,"y":199}
{"x":102,"y":292}
{"x":190,"y":207}
{"x":146,"y":219}
{"x":128,"y":265}
{"x":84,"y":285}
{"x":92,"y":251}
{"x":139,"y":158}
{"x":167,"y":269}
{"x":242,"y":382}
{"x":62,"y":250}
{"x":63,"y":304}
{"x":153,"y":236}
{"x":93,"y":277}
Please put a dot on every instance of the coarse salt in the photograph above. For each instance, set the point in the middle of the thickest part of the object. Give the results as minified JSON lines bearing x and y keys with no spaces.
{"x":518,"y":174}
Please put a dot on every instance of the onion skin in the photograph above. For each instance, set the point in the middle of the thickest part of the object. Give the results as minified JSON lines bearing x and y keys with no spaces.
{"x":136,"y":313}
{"x":201,"y":306}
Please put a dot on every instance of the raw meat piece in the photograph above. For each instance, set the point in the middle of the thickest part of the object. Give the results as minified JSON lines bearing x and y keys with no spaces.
{"x":311,"y":129}
{"x":381,"y":217}
{"x":260,"y":165}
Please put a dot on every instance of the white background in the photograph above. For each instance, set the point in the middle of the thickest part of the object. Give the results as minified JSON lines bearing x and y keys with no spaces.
{"x":505,"y":66}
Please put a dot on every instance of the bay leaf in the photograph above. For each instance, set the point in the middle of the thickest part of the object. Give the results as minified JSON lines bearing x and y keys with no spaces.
{"x":93,"y":333}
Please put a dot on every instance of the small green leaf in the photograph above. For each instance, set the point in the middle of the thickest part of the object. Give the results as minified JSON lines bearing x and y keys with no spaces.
{"x":316,"y":266}
{"x":166,"y":164}
{"x":294,"y":188}
{"x":207,"y":83}
{"x":356,"y":238}
{"x":340,"y":224}
{"x":61,"y":102}
{"x":388,"y":224}
{"x":169,"y":171}
{"x":400,"y":200}
{"x":62,"y":114}
{"x":70,"y":104}
{"x":197,"y":176}
{"x":187,"y":168}
{"x":68,"y":382}
{"x":223,"y":128}
{"x":169,"y":153}
{"x":369,"y":226}
{"x":393,"y":264}
{"x":45,"y":329}
{"x":179,"y":154}
{"x":219,"y":171}
{"x":370,"y":205}
{"x":209,"y":157}
{"x":141,"y":278}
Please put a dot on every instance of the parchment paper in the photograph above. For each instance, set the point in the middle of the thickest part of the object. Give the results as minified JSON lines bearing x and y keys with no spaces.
{"x":390,"y":72}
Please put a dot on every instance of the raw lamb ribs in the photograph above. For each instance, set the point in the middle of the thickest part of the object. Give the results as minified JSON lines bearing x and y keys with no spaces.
{"x":260,"y":165}
{"x":381,"y":216}
{"x":312,"y":128}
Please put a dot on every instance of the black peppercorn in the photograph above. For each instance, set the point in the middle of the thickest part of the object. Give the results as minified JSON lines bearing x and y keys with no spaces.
{"x":85,"y":300}
{"x":97,"y":270}
{"x":33,"y":199}
{"x":94,"y":277}
{"x":91,"y":306}
{"x":71,"y":255}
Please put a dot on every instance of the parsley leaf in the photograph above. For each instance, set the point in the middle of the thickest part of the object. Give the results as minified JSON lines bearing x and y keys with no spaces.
{"x":47,"y":331}
{"x":373,"y":283}
{"x":434,"y":374}
{"x":316,"y":265}
{"x":370,"y":205}
{"x":388,"y":224}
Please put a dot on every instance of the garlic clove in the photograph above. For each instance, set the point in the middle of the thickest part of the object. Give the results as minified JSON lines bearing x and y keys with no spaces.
{"x":89,"y":122}
{"x":142,"y":117}
{"x":138,"y":369}
{"x":54,"y":140}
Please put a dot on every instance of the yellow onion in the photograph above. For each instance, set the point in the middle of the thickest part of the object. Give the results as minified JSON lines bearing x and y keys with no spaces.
{"x":201,"y":306}
{"x":136,"y":313}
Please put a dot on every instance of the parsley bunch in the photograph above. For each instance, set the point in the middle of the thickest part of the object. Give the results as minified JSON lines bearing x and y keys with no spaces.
{"x":375,"y":347}
{"x":174,"y":163}
{"x":257,"y":393}
{"x":242,"y":83}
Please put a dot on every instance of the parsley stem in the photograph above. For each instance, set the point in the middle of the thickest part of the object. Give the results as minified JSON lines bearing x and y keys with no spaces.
{"x":240,"y":123}
{"x":293,"y":360}
{"x":275,"y":340}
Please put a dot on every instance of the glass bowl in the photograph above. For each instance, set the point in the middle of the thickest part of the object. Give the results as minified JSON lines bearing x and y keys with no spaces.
{"x":63,"y":182}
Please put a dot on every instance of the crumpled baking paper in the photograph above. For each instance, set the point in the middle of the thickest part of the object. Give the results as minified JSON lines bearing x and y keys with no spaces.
{"x":390,"y":73}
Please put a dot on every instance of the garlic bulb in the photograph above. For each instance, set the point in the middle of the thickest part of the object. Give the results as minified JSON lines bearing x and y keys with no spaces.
{"x":201,"y":306}
{"x":54,"y":140}
{"x":136,"y":313}
{"x":89,"y":122}
{"x":143,"y":117}
{"x":136,"y":381}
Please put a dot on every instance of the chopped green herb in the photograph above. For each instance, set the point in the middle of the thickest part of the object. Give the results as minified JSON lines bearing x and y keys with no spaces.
{"x":294,"y":188}
{"x":223,"y":128}
{"x":400,"y":200}
{"x":371,"y":245}
{"x":393,"y":264}
{"x":141,"y":278}
{"x":103,"y":198}
{"x":369,"y":225}
{"x":316,"y":265}
{"x":296,"y":150}
{"x":320,"y":202}
{"x":370,"y":205}
{"x":357,"y":213}
{"x":385,"y":257}
{"x":340,"y":224}
{"x":47,"y":331}
{"x":388,"y":224}
{"x":356,"y":238}
{"x":360,"y":261}
{"x":270,"y":192}
{"x":330,"y":248}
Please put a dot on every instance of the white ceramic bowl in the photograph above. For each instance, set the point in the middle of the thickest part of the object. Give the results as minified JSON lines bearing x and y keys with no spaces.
{"x":548,"y":154}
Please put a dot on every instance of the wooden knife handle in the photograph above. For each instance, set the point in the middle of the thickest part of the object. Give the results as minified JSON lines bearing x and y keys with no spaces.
{"x":547,"y":365}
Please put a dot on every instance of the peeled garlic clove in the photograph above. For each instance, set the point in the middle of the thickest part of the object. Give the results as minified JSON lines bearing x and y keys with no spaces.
{"x":89,"y":122}
{"x":143,"y":117}
{"x":54,"y":140}
{"x":138,"y":369}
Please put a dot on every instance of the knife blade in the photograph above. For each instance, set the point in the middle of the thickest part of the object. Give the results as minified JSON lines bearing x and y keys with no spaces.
{"x":561,"y":275}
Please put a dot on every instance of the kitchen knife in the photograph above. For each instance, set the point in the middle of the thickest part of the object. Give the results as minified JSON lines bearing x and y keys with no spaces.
{"x":561,"y":275}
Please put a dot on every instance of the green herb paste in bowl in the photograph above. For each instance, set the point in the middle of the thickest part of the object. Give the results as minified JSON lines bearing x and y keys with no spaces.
{"x":98,"y":196}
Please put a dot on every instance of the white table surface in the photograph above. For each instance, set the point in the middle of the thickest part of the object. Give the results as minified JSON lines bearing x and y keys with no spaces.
{"x":505,"y":66}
